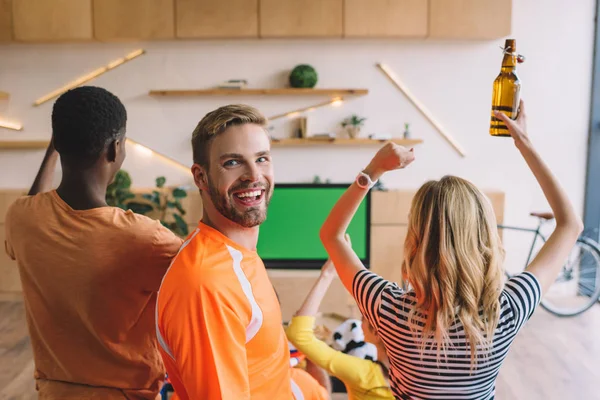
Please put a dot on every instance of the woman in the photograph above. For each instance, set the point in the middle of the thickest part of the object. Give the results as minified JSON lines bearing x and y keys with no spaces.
{"x":364,"y":379}
{"x":449,"y":334}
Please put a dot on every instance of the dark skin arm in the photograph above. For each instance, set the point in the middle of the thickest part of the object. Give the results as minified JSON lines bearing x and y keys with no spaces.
{"x":43,"y":179}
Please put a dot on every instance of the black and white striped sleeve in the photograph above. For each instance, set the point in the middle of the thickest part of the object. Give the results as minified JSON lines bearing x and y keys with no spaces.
{"x":524,"y":293}
{"x":367,"y":288}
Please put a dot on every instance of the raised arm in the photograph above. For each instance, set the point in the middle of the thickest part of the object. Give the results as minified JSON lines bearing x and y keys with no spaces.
{"x":301,"y":333}
{"x":43,"y":179}
{"x":347,"y":263}
{"x":553,"y":254}
{"x":313,"y":300}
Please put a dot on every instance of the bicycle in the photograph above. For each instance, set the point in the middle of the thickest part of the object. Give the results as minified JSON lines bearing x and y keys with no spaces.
{"x":577,"y":288}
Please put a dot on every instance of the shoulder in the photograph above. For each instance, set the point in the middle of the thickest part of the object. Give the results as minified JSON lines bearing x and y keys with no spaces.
{"x":142,"y":229}
{"x":203,"y":265}
{"x":25,"y":203}
{"x":27,"y":209}
{"x":519,"y":299}
{"x":524,"y":287}
{"x":136,"y":222}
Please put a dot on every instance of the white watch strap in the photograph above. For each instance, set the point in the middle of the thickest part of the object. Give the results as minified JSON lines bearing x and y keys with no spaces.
{"x":371,"y":182}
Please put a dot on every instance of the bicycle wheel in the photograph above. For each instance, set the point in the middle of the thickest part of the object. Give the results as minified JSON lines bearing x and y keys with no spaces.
{"x":577,"y":287}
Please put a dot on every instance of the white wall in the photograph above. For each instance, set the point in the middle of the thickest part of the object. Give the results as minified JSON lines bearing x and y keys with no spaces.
{"x":453,"y":79}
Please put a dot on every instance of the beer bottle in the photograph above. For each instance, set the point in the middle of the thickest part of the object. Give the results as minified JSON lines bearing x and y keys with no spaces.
{"x":506,"y":89}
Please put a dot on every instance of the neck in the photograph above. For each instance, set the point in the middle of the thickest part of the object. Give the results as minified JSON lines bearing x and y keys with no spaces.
{"x":509,"y":63}
{"x":245,"y":237}
{"x":82,"y":190}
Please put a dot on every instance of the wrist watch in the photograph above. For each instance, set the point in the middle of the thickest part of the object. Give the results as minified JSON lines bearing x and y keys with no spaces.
{"x":364,"y":181}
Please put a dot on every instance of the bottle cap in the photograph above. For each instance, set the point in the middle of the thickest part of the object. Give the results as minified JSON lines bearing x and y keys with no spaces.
{"x":508,"y":49}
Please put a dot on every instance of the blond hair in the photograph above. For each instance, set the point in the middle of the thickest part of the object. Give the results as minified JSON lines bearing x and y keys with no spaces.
{"x":216,"y":122}
{"x":453,"y":261}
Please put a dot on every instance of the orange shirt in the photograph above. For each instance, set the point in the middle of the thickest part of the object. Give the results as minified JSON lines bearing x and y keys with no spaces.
{"x":219,"y":323}
{"x":305,"y":387}
{"x":89,"y":281}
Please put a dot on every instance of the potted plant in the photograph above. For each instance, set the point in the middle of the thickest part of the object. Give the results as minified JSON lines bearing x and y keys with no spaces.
{"x":353,"y":124}
{"x":162,"y":203}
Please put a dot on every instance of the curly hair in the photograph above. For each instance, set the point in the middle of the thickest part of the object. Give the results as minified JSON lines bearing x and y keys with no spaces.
{"x":84,"y":121}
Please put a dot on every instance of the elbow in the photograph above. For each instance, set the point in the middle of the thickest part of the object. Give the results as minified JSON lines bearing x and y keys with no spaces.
{"x":579,"y":226}
{"x":325,"y":234}
{"x":329,"y":235}
{"x":574,"y":225}
{"x":299,"y":340}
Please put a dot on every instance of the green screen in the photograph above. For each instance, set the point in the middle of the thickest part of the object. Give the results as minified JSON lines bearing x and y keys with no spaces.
{"x":294,"y":218}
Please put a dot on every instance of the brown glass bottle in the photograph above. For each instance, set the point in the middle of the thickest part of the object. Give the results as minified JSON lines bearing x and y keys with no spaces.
{"x":506,"y":90}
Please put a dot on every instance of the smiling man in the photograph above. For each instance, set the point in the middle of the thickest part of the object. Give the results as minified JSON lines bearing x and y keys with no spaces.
{"x":218,"y":318}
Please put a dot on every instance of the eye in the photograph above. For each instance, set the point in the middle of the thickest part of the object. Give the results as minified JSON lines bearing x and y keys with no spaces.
{"x":230,"y":163}
{"x":262,"y":159}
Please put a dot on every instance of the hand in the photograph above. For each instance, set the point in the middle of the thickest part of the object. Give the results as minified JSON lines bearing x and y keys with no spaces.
{"x":388,"y":158}
{"x":347,"y":237}
{"x":328,"y":271}
{"x":517,"y":128}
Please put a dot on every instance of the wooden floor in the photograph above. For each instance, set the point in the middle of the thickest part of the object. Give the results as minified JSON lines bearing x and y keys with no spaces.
{"x":553,"y":358}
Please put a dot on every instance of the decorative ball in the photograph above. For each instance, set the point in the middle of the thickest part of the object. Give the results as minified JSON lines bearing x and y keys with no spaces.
{"x":303,"y":76}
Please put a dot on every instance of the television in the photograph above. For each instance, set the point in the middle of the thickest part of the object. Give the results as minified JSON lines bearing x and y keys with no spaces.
{"x":289,"y":237}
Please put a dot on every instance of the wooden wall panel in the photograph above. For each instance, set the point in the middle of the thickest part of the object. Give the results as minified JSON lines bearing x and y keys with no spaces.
{"x":390,"y":207}
{"x":387,"y":250}
{"x":6,"y":25}
{"x":470,"y":19}
{"x":7,"y":197}
{"x":134,"y":19}
{"x":52,"y":20}
{"x":393,"y":206}
{"x":497,"y":199}
{"x":216,"y":19}
{"x":301,"y":18}
{"x":386,"y":18}
{"x":293,"y":286}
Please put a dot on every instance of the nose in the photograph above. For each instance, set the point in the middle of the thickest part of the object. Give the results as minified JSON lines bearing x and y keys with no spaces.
{"x":251,"y":174}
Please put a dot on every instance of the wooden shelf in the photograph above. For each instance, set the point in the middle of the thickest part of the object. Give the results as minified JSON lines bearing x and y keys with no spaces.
{"x":261,"y":92}
{"x":341,"y":142}
{"x":23,"y":144}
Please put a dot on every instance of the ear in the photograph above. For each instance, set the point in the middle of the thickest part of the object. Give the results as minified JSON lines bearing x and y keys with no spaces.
{"x":113,"y":150}
{"x":200,"y":177}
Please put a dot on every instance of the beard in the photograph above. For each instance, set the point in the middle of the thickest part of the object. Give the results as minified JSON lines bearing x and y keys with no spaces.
{"x":248,"y":218}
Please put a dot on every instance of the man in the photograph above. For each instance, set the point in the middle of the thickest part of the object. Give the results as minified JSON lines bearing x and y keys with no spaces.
{"x":218,"y":318}
{"x":89,"y":272}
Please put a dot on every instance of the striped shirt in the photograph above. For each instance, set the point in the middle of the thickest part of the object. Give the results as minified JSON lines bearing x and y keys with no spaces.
{"x":421,"y":374}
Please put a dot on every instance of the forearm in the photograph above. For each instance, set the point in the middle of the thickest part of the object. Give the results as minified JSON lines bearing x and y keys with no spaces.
{"x":311,"y":304}
{"x":332,"y":234}
{"x":551,"y":257}
{"x":342,"y":213}
{"x":347,"y":263}
{"x":45,"y":175}
{"x":319,"y":374}
{"x":563,"y":210}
